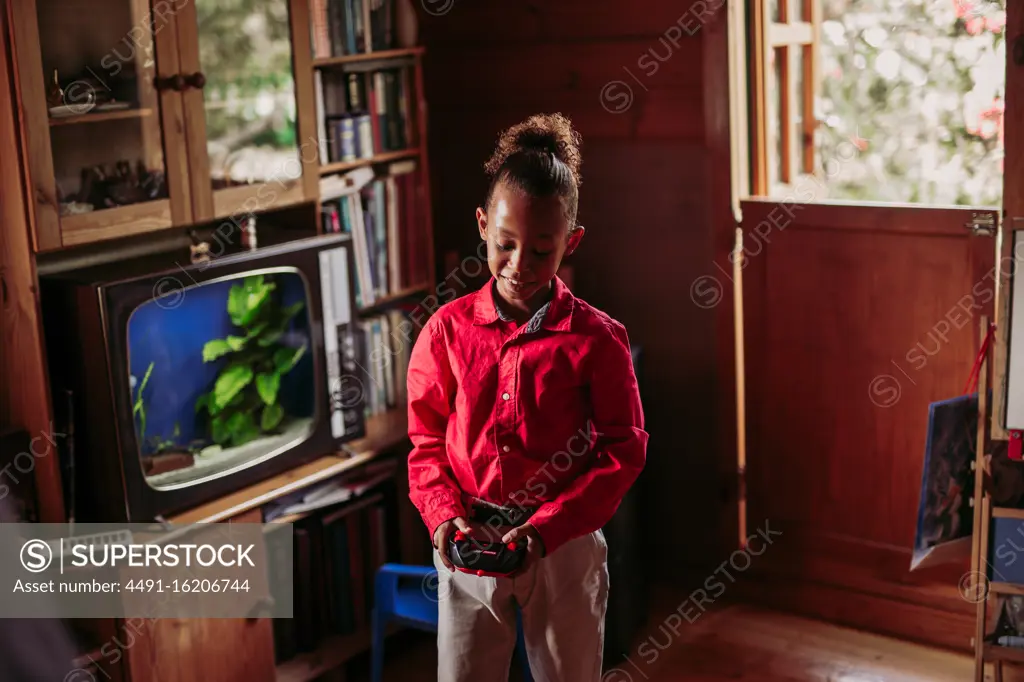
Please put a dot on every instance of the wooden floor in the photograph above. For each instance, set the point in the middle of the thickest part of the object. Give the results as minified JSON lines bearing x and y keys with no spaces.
{"x":746,"y":644}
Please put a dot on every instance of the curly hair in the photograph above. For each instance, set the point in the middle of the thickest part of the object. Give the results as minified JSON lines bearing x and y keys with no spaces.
{"x":541,"y":157}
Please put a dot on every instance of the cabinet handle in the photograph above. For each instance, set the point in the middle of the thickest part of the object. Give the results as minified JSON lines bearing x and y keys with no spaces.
{"x":175,"y":82}
{"x":196,"y":80}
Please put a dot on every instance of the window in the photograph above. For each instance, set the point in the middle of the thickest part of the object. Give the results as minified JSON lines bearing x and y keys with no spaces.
{"x":878,"y":100}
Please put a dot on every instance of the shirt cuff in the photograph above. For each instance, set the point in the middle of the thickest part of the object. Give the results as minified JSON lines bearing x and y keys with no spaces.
{"x":445,"y":508}
{"x":550,"y":527}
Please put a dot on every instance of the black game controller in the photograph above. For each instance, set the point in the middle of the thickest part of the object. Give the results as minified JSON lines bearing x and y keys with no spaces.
{"x":480,"y":557}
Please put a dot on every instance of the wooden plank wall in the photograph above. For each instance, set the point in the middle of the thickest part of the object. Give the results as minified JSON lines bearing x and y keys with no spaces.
{"x":631,"y":80}
{"x":24,"y":398}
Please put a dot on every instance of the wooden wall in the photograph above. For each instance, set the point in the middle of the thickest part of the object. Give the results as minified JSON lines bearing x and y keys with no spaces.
{"x":826,"y":307}
{"x":490,"y":65}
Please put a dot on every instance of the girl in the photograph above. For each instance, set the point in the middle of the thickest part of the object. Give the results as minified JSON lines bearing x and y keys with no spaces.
{"x":526,"y":425}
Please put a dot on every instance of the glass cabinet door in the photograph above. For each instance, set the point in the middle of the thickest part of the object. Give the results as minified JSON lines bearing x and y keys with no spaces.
{"x":244,"y":96}
{"x":96,"y":122}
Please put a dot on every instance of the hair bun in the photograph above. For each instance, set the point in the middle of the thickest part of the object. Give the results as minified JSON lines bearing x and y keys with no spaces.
{"x":545,"y":133}
{"x":537,"y":138}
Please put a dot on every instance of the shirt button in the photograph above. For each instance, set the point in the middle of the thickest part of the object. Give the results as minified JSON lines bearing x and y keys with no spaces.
{"x":506,"y":448}
{"x":505,"y":396}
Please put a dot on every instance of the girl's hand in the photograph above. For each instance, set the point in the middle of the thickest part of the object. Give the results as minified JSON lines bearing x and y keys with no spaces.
{"x":534,"y":545}
{"x":441,"y":534}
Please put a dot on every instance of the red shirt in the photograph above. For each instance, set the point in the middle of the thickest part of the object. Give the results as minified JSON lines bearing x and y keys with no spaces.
{"x":545,"y":414}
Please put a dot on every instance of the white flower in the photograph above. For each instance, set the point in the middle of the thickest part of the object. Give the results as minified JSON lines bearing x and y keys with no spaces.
{"x":875,"y":36}
{"x":967,"y":49}
{"x":887,"y":64}
{"x":918,"y":46}
{"x":974,"y":103}
{"x":989,"y":128}
{"x":915,"y":74}
{"x":930,"y":108}
{"x":834,"y":32}
{"x":264,"y":104}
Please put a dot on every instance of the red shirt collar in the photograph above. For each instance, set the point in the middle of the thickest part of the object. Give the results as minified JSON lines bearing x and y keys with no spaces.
{"x":558,"y":317}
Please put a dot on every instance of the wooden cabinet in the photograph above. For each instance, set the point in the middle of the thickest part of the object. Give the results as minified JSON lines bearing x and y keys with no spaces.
{"x":141,"y":115}
{"x":213,"y":104}
{"x":189,"y":649}
{"x":186,"y":650}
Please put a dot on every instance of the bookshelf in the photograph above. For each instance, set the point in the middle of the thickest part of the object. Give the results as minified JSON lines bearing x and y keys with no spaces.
{"x":374,"y":184}
{"x":167,"y":129}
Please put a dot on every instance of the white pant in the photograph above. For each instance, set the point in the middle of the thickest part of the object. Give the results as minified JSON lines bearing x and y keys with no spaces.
{"x":563,"y":599}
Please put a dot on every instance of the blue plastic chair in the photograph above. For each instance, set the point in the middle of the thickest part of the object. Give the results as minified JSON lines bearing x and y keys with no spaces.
{"x":407,"y":595}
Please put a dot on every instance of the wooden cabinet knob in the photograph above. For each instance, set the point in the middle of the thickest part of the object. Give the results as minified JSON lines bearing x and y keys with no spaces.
{"x":175,"y":82}
{"x":196,"y":80}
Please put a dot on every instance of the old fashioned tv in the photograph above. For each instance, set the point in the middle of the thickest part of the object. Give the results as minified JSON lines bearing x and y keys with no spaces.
{"x":186,"y":381}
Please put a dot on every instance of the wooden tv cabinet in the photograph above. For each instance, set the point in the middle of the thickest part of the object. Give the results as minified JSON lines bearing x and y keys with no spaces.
{"x":154,"y":76}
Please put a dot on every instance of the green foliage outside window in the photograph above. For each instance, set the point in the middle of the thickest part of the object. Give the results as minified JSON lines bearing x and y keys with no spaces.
{"x":918,"y":88}
{"x":246,"y":55}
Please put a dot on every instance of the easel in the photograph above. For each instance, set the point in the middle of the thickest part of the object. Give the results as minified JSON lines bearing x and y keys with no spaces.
{"x":976,"y":586}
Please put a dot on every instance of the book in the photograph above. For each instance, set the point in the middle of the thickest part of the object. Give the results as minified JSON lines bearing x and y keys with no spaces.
{"x":346,"y":27}
{"x":336,"y":554}
{"x":362,"y":114}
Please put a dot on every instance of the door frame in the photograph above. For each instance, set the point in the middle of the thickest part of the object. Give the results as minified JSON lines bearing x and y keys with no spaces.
{"x":725,"y":63}
{"x":725,"y":46}
{"x":725,"y":49}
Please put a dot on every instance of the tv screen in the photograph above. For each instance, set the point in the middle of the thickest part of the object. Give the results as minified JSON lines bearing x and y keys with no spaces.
{"x":221,"y":376}
{"x":186,"y":383}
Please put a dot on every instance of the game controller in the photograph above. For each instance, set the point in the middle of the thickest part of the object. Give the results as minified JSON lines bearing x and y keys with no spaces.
{"x":483,"y":558}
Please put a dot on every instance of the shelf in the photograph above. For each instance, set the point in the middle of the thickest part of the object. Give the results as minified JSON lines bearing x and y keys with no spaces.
{"x":994,"y":652}
{"x":326,"y":62}
{"x":1007,"y":513}
{"x":1005,"y":588}
{"x":100,"y":116}
{"x":383,"y":432}
{"x":341,"y":166}
{"x":332,"y":652}
{"x":379,"y":304}
{"x":116,"y":222}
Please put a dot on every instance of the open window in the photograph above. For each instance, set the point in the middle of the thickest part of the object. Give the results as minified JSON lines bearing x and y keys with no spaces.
{"x":878,"y":101}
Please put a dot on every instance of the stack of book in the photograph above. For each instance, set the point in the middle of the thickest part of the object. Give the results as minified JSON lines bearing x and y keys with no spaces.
{"x":343,"y":27}
{"x":336,"y":552}
{"x":363,"y":114}
{"x":385,"y":217}
{"x":388,"y":338}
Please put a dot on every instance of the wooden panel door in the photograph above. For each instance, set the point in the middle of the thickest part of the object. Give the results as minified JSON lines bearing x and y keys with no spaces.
{"x":103,"y":124}
{"x":856,"y":318}
{"x":249,"y":149}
